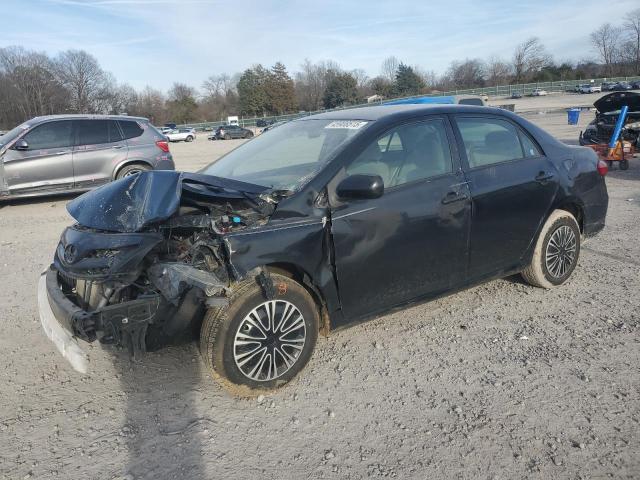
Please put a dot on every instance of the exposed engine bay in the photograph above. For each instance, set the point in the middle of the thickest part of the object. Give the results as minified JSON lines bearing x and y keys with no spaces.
{"x":607,"y":110}
{"x":148,"y":254}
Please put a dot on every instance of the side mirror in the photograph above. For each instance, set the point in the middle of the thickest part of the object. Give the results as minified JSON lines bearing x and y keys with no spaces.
{"x":359,"y":187}
{"x":21,"y":145}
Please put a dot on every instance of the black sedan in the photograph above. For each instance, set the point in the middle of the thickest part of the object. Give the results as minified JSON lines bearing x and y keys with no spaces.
{"x":326,"y":221}
{"x":228,"y":132}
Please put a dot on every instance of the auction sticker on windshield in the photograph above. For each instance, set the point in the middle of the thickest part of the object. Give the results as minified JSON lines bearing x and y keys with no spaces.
{"x":349,"y":124}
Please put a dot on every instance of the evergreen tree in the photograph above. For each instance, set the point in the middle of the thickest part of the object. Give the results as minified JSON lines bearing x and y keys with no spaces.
{"x":280,"y":90}
{"x":407,"y":81}
{"x":252,"y":92}
{"x":341,"y":90}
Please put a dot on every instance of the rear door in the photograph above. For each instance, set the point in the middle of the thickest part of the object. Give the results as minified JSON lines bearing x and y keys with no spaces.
{"x":512,"y":186}
{"x":99,"y":149}
{"x":46,"y":164}
{"x":412,"y":241}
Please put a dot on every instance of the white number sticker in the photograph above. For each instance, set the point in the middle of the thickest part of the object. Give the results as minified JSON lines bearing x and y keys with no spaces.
{"x":349,"y":124}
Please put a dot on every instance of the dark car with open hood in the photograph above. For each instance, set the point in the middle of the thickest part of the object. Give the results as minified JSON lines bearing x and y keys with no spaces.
{"x":326,"y":221}
{"x":607,"y":110}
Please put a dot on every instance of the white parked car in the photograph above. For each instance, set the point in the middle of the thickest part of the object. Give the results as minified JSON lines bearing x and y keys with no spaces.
{"x":588,"y":88}
{"x":538,"y":92}
{"x":181,"y":135}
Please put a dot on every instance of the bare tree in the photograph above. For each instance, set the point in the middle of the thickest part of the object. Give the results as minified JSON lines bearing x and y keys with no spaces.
{"x":86,"y":83}
{"x":497,"y":71}
{"x":389,"y":68}
{"x":219,"y":85}
{"x":606,"y":41}
{"x":312,"y":81}
{"x":467,"y":74}
{"x":529,"y":58}
{"x":632,"y":28}
{"x":151,"y":104}
{"x":29,"y":87}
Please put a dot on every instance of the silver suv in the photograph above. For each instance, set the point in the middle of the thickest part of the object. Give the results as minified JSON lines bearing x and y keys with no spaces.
{"x":65,"y":153}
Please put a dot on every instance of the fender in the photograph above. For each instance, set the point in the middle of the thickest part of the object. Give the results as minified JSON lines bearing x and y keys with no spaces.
{"x":274,"y":244}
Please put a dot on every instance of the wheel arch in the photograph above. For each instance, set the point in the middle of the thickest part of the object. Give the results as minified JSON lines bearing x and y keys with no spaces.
{"x":129,"y":161}
{"x":298,"y":274}
{"x":575,"y":208}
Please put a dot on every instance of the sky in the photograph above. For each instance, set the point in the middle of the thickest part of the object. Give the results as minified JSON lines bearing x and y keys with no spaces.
{"x":158,"y":42}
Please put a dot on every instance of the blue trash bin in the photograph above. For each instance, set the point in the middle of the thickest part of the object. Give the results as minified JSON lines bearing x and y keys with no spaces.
{"x":573,"y":115}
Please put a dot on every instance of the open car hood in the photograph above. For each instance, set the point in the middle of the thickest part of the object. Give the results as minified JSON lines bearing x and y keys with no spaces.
{"x":138,"y":201}
{"x":616,"y":100}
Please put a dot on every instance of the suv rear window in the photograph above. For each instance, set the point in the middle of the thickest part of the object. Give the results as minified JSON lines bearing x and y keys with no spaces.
{"x":130,"y":128}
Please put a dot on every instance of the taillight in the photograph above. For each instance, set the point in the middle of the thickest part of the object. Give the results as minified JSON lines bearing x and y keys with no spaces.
{"x":163,"y":145}
{"x":602,"y":167}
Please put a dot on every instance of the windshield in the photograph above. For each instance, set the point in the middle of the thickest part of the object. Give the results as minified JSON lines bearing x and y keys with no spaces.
{"x":286,"y":157}
{"x":11,"y":135}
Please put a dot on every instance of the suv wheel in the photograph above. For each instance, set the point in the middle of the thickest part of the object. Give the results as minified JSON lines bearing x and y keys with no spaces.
{"x":259,"y":343}
{"x":556,"y":252}
{"x":132,"y":169}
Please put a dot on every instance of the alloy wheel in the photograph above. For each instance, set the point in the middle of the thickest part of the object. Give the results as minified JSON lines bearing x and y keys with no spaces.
{"x":269,"y":340}
{"x":561,"y":251}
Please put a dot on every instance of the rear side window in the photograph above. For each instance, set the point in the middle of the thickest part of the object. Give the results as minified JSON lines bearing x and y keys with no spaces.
{"x":130,"y":129}
{"x":50,"y":135}
{"x":529,"y":147}
{"x":488,"y":141}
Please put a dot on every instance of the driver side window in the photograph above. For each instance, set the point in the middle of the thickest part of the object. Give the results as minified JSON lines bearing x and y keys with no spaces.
{"x":50,"y":135}
{"x":405,"y":154}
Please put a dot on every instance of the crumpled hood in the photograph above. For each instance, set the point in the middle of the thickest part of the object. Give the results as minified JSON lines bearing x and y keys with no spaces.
{"x":135,"y":202}
{"x":616,"y":100}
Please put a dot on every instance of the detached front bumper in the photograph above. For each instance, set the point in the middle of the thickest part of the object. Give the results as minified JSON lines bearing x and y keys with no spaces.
{"x":56,"y":312}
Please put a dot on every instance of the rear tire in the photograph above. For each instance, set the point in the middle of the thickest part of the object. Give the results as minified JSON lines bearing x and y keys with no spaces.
{"x":556,"y":252}
{"x":248,"y":135}
{"x":227,"y":136}
{"x":239,"y":353}
{"x":624,"y":164}
{"x":132,"y":169}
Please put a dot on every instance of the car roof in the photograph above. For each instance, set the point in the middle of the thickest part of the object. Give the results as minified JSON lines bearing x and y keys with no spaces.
{"x":383,"y":111}
{"x":76,"y":116}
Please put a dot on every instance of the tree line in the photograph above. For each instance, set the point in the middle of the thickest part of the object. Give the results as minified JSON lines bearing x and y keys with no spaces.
{"x":33,"y":83}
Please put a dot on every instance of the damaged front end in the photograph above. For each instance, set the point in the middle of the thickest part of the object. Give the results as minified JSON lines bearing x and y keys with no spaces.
{"x":608,"y":107}
{"x":145,"y":258}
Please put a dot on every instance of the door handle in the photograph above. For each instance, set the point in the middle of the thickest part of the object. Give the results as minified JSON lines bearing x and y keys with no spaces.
{"x":452,"y":197}
{"x":117,"y":147}
{"x":542,"y":177}
{"x":63,"y":153}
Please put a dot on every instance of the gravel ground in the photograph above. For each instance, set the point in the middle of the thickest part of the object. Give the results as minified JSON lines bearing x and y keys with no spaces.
{"x":501,"y":381}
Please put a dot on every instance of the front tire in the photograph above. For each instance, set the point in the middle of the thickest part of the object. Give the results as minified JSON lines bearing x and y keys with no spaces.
{"x":624,"y":164}
{"x":257,"y":343}
{"x":556,"y":252}
{"x":189,"y":139}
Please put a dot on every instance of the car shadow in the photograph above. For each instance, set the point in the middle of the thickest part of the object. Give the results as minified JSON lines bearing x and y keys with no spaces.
{"x":161,"y":413}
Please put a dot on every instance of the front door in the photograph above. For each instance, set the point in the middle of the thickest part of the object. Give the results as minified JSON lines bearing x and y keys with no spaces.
{"x":412,"y":241}
{"x":46,"y":164}
{"x":512,"y":187}
{"x":99,"y":149}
